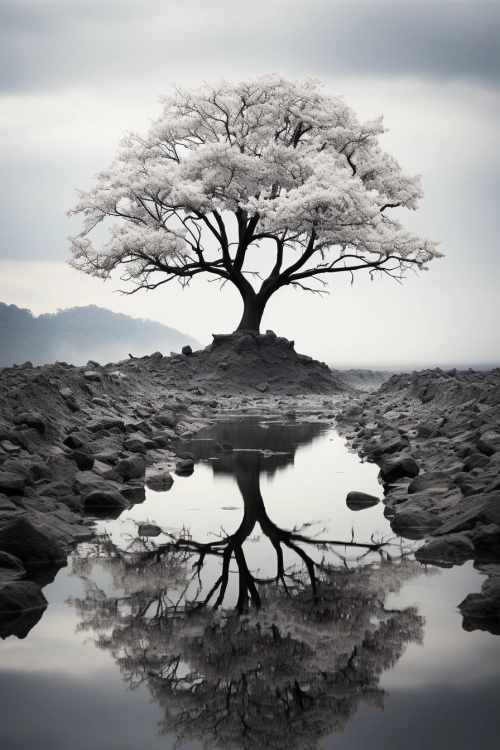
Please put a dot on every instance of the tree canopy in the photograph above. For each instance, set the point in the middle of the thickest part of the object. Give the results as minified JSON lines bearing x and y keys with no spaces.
{"x":234,"y":164}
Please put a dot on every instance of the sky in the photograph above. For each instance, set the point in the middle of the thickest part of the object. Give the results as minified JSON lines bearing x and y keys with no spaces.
{"x":75,"y":76}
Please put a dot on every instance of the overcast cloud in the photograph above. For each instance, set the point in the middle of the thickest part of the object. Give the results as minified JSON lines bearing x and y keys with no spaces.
{"x":74,"y":76}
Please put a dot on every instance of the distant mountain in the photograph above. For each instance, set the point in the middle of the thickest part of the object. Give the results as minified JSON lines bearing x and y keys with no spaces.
{"x":81,"y":333}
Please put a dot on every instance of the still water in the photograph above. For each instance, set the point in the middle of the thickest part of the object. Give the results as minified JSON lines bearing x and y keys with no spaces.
{"x":247,"y":623}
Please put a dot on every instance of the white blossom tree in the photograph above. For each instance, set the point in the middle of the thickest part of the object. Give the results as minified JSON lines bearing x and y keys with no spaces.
{"x":230,"y":165}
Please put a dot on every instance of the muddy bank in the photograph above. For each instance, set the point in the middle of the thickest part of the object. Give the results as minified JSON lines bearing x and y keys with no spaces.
{"x":436,"y":437}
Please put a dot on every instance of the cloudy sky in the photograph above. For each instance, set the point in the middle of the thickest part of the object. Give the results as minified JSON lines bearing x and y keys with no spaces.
{"x":74,"y":76}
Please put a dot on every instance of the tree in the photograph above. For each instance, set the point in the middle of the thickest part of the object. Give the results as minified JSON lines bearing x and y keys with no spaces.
{"x":231,"y":165}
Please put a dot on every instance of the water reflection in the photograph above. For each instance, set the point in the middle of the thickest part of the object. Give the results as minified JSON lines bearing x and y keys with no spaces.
{"x":303,"y":647}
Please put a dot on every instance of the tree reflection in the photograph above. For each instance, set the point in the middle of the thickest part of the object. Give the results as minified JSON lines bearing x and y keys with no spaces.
{"x":285,"y":667}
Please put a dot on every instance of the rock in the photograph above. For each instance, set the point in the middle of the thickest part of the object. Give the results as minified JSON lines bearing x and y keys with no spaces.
{"x":26,"y":365}
{"x":138,"y":444}
{"x":433,"y":482}
{"x":156,"y":355}
{"x":107,"y":424}
{"x":462,"y":516}
{"x":103,"y":499}
{"x":245,"y":343}
{"x":31,"y":419}
{"x":74,"y":441}
{"x":11,"y":568}
{"x":61,"y":469}
{"x":12,"y":484}
{"x":482,"y":611}
{"x":262,"y":387}
{"x":414,"y":524}
{"x":21,"y":595}
{"x":447,"y":551}
{"x":184,"y":467}
{"x":92,"y":375}
{"x":486,"y":540}
{"x":6,"y":504}
{"x":84,"y":461}
{"x":360,"y":500}
{"x":148,"y":529}
{"x":167,"y":418}
{"x":223,"y":366}
{"x":396,"y":468}
{"x":105,"y":471}
{"x":23,"y":540}
{"x":381,"y":447}
{"x":131,"y":468}
{"x":9,"y":447}
{"x":93,"y":363}
{"x":187,"y":350}
{"x":134,"y":494}
{"x":489,"y":443}
{"x":475,"y":461}
{"x":491,"y":512}
{"x":160,"y":482}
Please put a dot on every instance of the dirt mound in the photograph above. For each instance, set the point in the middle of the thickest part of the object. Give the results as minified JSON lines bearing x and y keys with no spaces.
{"x":246,"y":362}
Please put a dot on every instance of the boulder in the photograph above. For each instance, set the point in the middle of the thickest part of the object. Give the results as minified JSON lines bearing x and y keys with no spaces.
{"x":101,"y":498}
{"x":414,"y":524}
{"x":92,"y":375}
{"x":262,"y":387}
{"x":148,"y":529}
{"x":489,"y":443}
{"x":447,"y":551}
{"x":392,"y":469}
{"x":11,"y":568}
{"x":184,"y":467}
{"x":61,"y":469}
{"x":167,"y":418}
{"x":486,"y":540}
{"x":482,"y":611}
{"x":156,"y":355}
{"x":475,"y":461}
{"x":134,"y":494}
{"x":160,"y":482}
{"x":432,"y":482}
{"x":360,"y":500}
{"x":74,"y":441}
{"x":131,"y":468}
{"x":138,"y":444}
{"x":84,"y":461}
{"x":31,"y":419}
{"x":12,"y":484}
{"x":187,"y":350}
{"x":19,"y":596}
{"x":23,"y":540}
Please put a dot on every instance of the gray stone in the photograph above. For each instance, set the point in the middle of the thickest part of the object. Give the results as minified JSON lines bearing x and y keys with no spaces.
{"x":148,"y":529}
{"x":156,"y":355}
{"x":360,"y":500}
{"x":12,"y":484}
{"x":31,"y":419}
{"x":433,"y":481}
{"x":187,"y":350}
{"x":262,"y":387}
{"x":160,"y":482}
{"x":392,"y":469}
{"x":19,"y":596}
{"x":11,"y":568}
{"x":167,"y":418}
{"x":184,"y":467}
{"x":74,"y":441}
{"x":447,"y":551}
{"x":92,"y":375}
{"x":475,"y":461}
{"x":84,"y":461}
{"x":21,"y":539}
{"x":482,"y":611}
{"x":489,"y":443}
{"x":131,"y":468}
{"x":414,"y":524}
{"x":103,"y":499}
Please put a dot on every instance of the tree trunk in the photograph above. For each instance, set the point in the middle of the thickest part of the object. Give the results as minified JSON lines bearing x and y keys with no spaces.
{"x":253,"y":310}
